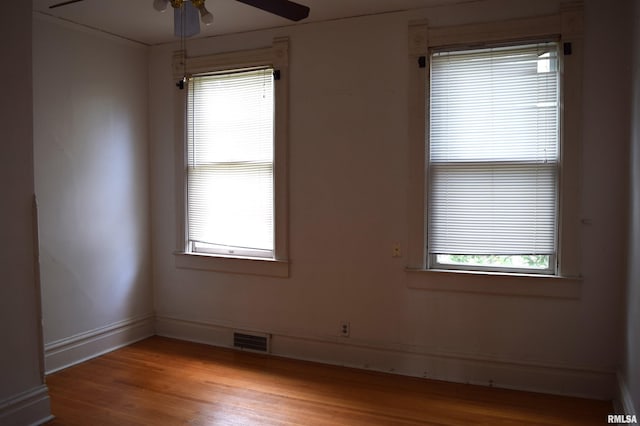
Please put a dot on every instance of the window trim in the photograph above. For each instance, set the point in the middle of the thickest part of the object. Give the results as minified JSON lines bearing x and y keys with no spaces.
{"x":567,"y":27}
{"x":276,"y":56}
{"x":495,"y":283}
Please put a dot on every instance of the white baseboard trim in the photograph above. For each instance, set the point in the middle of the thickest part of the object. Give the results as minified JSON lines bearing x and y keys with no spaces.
{"x":411,"y":361}
{"x":31,"y":407}
{"x":623,"y":403}
{"x":73,"y":350}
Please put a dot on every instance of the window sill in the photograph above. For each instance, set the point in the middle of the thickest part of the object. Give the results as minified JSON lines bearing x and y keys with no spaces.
{"x":495,"y":283}
{"x":234,"y":265}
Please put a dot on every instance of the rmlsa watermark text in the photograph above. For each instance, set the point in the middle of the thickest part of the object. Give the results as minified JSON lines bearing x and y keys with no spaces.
{"x":622,"y":419}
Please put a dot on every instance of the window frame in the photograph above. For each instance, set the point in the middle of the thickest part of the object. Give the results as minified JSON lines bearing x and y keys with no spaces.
{"x":195,"y":246}
{"x":565,"y":27}
{"x":275,"y":56}
{"x":432,"y":262}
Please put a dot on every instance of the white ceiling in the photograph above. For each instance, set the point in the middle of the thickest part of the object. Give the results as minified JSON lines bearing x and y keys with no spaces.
{"x":137,"y":20}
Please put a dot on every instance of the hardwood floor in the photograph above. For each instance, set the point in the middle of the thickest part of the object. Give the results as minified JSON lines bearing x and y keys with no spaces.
{"x":162,"y":381}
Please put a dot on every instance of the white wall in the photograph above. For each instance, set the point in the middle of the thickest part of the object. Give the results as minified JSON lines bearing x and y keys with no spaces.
{"x":348,"y":197}
{"x":91,"y":179}
{"x":630,"y":378}
{"x":23,"y":396}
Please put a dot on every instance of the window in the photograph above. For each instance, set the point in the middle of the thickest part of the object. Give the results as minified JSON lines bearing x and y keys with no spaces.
{"x":494,"y":128}
{"x":232,"y":168}
{"x":494,"y":158}
{"x":230,"y":163}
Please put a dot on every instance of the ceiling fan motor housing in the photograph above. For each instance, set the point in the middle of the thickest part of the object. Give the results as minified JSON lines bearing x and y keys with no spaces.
{"x":186,"y":20}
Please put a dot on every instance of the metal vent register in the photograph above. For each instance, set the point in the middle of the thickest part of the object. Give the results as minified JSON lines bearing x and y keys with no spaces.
{"x":251,"y":342}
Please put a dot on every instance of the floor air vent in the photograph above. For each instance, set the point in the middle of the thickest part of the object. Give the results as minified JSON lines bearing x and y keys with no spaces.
{"x":251,"y":342}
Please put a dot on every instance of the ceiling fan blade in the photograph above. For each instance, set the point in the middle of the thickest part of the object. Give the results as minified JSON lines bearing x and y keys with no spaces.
{"x":64,"y":3}
{"x":285,"y":8}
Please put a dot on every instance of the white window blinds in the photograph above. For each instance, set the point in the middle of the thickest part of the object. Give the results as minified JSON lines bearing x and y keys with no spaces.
{"x":230,"y":163}
{"x":493,"y":151}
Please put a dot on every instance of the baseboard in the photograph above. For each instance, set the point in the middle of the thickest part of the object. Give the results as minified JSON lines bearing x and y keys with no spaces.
{"x":27,"y":408}
{"x":623,"y":403}
{"x":81,"y":347}
{"x":412,"y":361}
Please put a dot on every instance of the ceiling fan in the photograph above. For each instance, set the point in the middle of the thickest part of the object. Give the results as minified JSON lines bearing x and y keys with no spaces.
{"x":186,"y":23}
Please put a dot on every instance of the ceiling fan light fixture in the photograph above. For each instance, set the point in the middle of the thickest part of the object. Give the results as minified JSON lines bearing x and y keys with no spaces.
{"x":206,"y":17}
{"x":160,"y":5}
{"x":185,"y":12}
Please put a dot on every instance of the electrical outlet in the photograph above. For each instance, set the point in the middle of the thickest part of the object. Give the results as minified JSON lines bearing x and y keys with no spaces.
{"x":345,"y":328}
{"x":395,"y":250}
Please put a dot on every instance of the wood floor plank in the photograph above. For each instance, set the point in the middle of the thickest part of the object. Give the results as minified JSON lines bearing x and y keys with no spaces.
{"x":162,"y":381}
